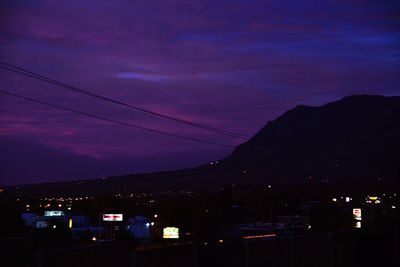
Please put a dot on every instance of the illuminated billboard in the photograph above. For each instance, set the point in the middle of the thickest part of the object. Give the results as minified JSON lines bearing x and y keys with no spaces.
{"x":170,"y":233}
{"x":112,"y":217}
{"x":357,"y":214}
{"x":53,"y":213}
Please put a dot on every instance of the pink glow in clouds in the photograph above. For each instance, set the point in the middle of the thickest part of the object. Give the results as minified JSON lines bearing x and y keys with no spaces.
{"x":230,"y":64}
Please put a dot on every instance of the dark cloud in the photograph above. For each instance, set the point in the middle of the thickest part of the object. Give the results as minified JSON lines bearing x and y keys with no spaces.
{"x":229,"y":64}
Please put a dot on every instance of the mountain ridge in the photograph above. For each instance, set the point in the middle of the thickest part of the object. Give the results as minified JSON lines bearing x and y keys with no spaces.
{"x":350,"y":126}
{"x":356,"y":138}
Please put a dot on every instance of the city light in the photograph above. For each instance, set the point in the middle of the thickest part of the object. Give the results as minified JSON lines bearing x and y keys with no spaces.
{"x":53,"y":213}
{"x":373,"y":199}
{"x":171,"y":233}
{"x":357,"y":214}
{"x":112,"y":217}
{"x":258,"y":236}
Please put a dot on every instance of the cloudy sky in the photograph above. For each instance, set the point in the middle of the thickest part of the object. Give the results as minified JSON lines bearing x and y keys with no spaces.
{"x":228,"y":64}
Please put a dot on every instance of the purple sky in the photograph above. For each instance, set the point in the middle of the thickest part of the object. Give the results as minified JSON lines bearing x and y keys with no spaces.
{"x":228,"y":64}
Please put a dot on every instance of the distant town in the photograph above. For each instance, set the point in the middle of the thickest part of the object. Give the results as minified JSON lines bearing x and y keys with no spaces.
{"x":233,"y":217}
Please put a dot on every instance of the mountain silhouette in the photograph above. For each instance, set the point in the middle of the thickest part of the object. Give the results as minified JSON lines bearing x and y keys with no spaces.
{"x":355,"y":139}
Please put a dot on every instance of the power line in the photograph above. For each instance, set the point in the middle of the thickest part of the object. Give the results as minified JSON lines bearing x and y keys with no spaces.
{"x":111,"y":120}
{"x":18,"y":70}
{"x":24,"y":72}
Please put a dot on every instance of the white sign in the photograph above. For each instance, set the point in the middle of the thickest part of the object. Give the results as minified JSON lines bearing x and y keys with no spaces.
{"x":53,"y":213}
{"x":357,"y":214}
{"x":171,"y":232}
{"x":112,"y":217}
